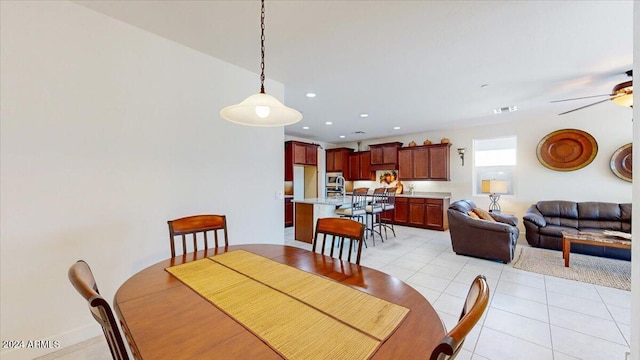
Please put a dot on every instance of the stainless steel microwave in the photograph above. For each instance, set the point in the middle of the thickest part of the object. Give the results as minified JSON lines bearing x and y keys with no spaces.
{"x":332,"y":179}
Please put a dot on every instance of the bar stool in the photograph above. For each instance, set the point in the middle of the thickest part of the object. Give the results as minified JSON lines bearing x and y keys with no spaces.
{"x":374,"y":210}
{"x":357,"y":210}
{"x":389,"y":206}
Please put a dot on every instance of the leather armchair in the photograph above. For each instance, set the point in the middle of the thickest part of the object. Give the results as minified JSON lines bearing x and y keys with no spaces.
{"x":495,"y":240}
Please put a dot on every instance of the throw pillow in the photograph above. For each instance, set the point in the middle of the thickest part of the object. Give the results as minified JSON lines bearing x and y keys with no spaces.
{"x":472,"y":215}
{"x":484,"y":215}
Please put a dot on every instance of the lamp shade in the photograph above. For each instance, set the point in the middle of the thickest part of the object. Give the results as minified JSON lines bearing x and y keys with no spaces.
{"x":495,"y":186}
{"x":261,"y":110}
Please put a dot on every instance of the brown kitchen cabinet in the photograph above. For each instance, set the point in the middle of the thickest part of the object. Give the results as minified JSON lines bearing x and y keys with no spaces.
{"x":338,"y":160}
{"x":435,"y":214}
{"x":298,"y":153}
{"x":385,"y":156}
{"x":429,"y":162}
{"x":416,"y":212}
{"x":439,"y":162}
{"x":401,"y":216}
{"x":288,"y":212}
{"x":426,"y":213}
{"x":360,"y":166}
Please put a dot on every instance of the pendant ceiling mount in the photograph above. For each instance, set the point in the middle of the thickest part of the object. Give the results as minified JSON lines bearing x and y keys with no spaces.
{"x":261,"y":109}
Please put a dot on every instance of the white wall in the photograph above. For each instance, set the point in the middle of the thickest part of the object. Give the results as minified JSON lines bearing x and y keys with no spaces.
{"x":107,"y":132}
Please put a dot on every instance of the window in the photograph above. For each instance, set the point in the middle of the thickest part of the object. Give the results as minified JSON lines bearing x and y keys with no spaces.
{"x":494,"y":159}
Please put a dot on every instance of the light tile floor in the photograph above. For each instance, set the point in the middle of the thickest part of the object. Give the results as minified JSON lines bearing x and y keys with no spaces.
{"x":530,"y":316}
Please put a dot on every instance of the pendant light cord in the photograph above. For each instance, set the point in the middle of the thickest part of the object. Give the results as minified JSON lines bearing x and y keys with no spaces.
{"x":262,"y":49}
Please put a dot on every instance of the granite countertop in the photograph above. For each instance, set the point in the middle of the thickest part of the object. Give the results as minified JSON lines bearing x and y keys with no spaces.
{"x":430,"y":195}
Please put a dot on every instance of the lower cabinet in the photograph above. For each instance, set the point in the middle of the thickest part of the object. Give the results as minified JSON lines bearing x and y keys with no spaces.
{"x":426,"y":213}
{"x":416,"y":212}
{"x":288,"y":212}
{"x":435,"y":214}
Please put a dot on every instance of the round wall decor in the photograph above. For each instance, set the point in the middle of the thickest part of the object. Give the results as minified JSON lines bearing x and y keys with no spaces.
{"x":621,"y":162}
{"x":567,"y":150}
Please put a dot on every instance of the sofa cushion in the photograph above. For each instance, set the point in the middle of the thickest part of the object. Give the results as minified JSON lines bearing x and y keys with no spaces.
{"x":554,"y":230}
{"x":482,"y":214}
{"x":599,"y":211}
{"x":558,"y":209}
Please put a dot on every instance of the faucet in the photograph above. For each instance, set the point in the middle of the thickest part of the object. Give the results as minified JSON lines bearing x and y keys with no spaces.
{"x":340,"y":184}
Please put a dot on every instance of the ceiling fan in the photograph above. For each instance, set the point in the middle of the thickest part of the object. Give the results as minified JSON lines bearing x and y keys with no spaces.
{"x":622,"y":94}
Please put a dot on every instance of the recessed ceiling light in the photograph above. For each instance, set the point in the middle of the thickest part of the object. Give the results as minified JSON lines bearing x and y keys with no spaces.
{"x":342,"y":136}
{"x":311,"y":95}
{"x":328,"y":123}
{"x":305,"y":127}
{"x":364,"y":115}
{"x":396,"y":128}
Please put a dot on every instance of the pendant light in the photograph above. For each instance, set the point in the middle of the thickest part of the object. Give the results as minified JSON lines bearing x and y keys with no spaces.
{"x":261,"y":109}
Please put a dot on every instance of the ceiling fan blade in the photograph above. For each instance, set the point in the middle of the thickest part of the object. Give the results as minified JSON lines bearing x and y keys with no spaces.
{"x":586,"y":106}
{"x":578,"y":98}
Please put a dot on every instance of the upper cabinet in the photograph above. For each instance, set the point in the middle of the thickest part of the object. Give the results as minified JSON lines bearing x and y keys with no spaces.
{"x":338,"y":160}
{"x":385,"y":156}
{"x":360,"y":166}
{"x":298,"y":153}
{"x":429,"y":162}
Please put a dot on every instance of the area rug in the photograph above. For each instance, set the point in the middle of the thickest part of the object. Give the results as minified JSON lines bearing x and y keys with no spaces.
{"x":590,"y":269}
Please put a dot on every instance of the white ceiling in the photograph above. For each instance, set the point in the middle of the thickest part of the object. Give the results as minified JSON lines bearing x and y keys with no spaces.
{"x":419,"y":65}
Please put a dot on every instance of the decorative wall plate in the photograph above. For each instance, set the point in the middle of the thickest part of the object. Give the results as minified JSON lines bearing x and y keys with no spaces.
{"x":567,"y":150}
{"x":621,"y":163}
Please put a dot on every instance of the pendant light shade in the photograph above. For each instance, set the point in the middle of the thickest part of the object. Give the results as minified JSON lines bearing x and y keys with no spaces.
{"x":261,"y":109}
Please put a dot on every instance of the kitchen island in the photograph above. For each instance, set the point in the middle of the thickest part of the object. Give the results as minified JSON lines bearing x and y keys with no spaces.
{"x":427,"y":210}
{"x":308,"y":211}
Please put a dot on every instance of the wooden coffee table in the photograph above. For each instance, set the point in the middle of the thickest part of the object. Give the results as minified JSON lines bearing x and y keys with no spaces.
{"x":590,"y":238}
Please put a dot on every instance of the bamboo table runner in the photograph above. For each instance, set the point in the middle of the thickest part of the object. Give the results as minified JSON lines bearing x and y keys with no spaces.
{"x":300,"y":315}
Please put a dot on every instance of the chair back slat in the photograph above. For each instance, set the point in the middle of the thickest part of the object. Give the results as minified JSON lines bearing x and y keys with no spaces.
{"x":339,"y":229}
{"x":197,"y":224}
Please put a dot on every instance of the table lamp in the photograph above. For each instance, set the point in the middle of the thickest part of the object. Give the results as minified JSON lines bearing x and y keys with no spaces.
{"x":494,"y":188}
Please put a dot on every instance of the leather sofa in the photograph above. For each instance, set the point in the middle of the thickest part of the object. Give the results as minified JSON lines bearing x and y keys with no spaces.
{"x":493,"y":239}
{"x":545,"y":221}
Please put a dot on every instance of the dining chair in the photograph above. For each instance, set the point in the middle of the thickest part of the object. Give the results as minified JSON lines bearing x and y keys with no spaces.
{"x":339,"y":229}
{"x":472,"y":310}
{"x":374,"y":210}
{"x":84,"y":282}
{"x":194,"y":225}
{"x":389,"y":206}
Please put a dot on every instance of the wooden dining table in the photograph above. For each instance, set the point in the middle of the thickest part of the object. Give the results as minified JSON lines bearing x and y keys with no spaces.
{"x":164,"y":319}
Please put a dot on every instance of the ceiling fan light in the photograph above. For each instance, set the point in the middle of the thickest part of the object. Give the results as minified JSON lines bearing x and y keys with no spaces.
{"x":623,"y":94}
{"x":261,"y":110}
{"x":624,"y":100}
